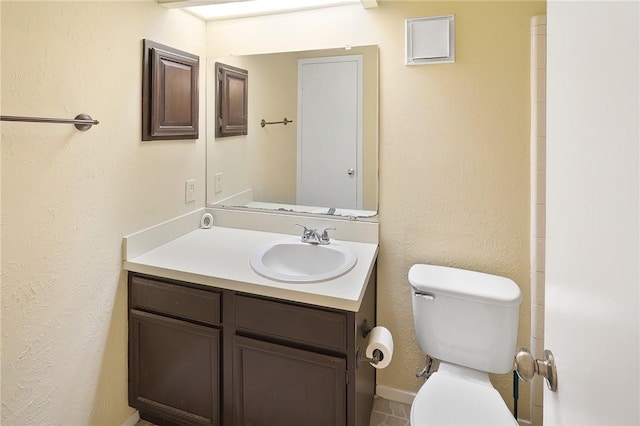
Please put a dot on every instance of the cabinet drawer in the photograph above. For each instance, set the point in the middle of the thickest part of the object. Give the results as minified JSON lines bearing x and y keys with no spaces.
{"x":299,"y":324}
{"x":176,"y":300}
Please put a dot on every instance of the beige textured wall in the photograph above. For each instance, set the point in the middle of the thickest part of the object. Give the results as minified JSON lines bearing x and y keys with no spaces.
{"x":68,"y":197}
{"x":454,"y":146}
{"x":454,"y":175}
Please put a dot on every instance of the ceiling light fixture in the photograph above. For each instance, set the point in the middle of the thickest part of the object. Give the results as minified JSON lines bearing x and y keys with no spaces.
{"x":244,"y":9}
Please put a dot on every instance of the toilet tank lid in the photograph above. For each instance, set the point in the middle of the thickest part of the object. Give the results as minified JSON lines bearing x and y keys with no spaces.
{"x":465,"y":284}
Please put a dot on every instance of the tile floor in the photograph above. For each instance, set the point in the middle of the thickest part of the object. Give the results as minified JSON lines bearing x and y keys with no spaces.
{"x":384,"y":413}
{"x":389,"y":413}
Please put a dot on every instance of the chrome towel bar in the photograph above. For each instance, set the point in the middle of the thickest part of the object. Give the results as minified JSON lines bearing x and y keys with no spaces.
{"x":82,"y":122}
{"x":285,"y":122}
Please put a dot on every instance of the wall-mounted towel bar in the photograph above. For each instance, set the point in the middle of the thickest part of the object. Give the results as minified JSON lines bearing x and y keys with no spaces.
{"x":285,"y":122}
{"x":82,"y":121}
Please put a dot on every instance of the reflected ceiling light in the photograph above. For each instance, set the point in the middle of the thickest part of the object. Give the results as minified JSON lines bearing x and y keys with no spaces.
{"x":243,"y":9}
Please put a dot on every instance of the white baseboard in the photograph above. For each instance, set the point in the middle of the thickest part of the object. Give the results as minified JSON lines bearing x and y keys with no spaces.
{"x":393,"y":394}
{"x":382,"y":391}
{"x":133,"y":419}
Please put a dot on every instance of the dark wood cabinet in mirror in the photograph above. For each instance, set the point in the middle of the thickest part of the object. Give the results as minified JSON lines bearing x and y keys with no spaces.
{"x":231,"y":100}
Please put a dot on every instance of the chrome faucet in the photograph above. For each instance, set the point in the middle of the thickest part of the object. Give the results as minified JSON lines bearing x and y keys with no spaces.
{"x":312,"y":236}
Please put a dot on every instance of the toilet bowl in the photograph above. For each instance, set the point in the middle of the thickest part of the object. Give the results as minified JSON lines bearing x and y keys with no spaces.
{"x":457,"y":395}
{"x":469,"y":321}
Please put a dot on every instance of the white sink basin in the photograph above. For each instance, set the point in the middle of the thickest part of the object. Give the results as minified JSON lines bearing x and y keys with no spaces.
{"x":291,"y":260}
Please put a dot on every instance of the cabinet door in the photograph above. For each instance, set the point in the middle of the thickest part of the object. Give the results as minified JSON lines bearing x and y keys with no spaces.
{"x":173,"y":369}
{"x":277,"y":385}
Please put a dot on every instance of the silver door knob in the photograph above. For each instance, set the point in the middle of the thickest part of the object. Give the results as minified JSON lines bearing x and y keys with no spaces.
{"x":351,"y":172}
{"x":527,"y":367}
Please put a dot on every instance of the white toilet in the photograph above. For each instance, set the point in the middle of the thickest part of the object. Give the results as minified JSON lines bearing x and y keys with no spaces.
{"x":469,"y":321}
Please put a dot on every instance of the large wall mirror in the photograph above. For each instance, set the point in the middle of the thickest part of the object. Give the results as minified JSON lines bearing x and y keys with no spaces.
{"x":323,"y":159}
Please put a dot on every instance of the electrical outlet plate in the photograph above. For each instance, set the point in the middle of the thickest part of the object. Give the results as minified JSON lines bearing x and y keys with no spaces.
{"x":217,"y":187}
{"x":190,"y":191}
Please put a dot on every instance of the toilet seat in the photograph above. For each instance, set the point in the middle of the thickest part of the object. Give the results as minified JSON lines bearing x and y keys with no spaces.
{"x":451,"y":398}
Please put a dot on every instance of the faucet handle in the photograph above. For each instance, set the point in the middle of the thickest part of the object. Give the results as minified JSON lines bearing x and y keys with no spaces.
{"x":325,"y":235}
{"x":306,"y":233}
{"x":302,"y":226}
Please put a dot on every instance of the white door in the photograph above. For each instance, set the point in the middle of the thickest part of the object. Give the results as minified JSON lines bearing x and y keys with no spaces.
{"x":592,"y":269}
{"x":330,"y":132}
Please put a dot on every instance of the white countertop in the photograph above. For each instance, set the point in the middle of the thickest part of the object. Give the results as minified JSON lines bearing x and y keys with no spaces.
{"x":219,"y":257}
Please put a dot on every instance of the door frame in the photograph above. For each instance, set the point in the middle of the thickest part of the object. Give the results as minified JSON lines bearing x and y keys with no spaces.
{"x":359,"y":139}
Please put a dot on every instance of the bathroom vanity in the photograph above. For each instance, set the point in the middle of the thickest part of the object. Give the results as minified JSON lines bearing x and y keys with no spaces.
{"x":211,"y":342}
{"x":212,"y":339}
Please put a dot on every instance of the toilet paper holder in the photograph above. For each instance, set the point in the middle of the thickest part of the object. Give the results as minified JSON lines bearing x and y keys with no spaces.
{"x":365,"y":329}
{"x":360,"y":357}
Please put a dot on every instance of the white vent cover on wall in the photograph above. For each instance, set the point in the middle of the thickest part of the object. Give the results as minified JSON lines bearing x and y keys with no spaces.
{"x":429,"y":40}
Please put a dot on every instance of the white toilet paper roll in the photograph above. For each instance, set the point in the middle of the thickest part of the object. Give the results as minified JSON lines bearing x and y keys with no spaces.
{"x":380,"y":339}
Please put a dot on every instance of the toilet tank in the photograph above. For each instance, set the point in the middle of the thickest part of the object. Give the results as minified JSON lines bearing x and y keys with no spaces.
{"x":464,"y":317}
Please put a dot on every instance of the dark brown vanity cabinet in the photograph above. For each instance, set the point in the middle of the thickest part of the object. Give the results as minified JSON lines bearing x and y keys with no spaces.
{"x":280,"y":385}
{"x":202,"y":355}
{"x":174,"y":352}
